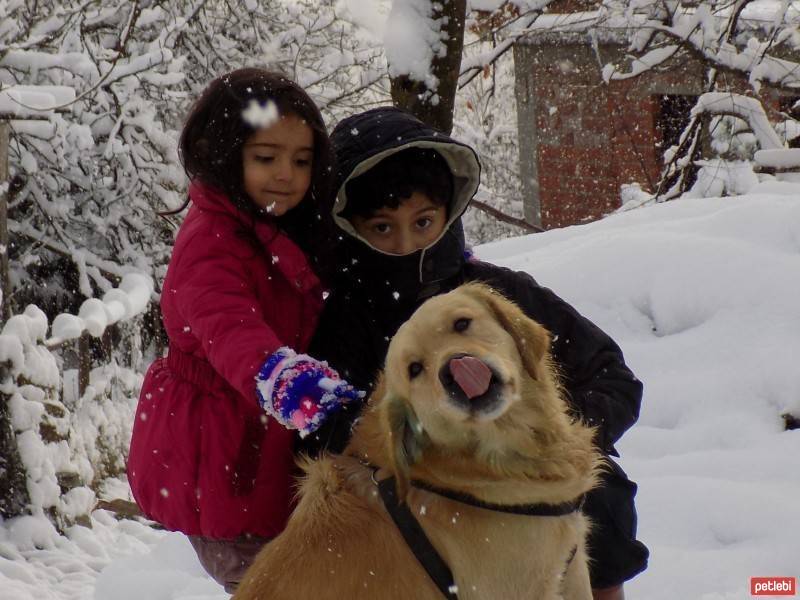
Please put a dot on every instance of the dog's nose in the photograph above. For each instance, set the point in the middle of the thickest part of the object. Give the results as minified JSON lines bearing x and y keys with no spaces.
{"x":465,"y":374}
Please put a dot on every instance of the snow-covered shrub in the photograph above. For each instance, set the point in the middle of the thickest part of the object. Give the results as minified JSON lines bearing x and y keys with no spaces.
{"x":61,"y":442}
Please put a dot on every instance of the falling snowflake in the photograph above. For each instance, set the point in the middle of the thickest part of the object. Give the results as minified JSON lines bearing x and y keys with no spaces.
{"x":259,"y":115}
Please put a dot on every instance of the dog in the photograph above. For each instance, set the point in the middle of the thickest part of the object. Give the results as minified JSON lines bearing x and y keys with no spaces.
{"x":467,"y":424}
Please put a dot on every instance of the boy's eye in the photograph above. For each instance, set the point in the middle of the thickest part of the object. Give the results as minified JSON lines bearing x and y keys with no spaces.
{"x":381,"y":228}
{"x":265,"y":159}
{"x":424,"y":222}
{"x":303,"y":162}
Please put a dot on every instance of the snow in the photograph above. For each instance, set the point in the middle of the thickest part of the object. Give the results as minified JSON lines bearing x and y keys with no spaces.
{"x":778,"y":158}
{"x":19,"y":345}
{"x":745,"y":107}
{"x":32,"y":100}
{"x":260,"y":116}
{"x":371,"y":16}
{"x":702,"y":296}
{"x":94,"y":315}
{"x":412,"y":39}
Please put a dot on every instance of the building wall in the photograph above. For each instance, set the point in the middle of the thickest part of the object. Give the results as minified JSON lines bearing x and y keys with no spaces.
{"x":581,"y":139}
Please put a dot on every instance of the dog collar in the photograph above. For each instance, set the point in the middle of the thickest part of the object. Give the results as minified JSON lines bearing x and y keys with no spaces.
{"x":535,"y":510}
{"x":541,"y":509}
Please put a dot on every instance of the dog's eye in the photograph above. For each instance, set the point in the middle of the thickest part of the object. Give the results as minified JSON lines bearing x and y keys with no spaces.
{"x":414,"y":369}
{"x":461,"y":324}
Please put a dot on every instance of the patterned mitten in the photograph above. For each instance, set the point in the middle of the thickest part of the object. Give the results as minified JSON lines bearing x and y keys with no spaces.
{"x":300,"y":391}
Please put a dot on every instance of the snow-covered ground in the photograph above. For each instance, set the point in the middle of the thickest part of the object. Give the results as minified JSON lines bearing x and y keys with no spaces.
{"x":704,"y":298}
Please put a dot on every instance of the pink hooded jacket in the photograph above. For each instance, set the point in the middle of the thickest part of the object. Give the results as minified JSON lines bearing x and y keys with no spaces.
{"x":204,"y":457}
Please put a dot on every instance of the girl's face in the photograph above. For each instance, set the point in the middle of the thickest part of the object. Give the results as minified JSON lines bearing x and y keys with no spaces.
{"x":277,"y":164}
{"x":413,"y":225}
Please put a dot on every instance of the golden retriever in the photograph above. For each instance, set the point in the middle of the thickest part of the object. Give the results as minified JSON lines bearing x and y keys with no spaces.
{"x":468,"y":402}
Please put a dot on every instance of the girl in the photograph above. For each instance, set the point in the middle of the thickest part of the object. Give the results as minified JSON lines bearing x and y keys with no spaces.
{"x":212,"y":447}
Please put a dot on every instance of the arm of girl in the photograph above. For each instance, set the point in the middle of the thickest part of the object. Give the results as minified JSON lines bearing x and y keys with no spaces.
{"x":217,"y":300}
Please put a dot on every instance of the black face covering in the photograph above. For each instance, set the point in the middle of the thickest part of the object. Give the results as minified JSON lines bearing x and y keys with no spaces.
{"x":387,"y":281}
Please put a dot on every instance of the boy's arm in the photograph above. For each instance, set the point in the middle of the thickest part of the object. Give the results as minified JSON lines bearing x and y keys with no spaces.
{"x":342,"y":339}
{"x":600,"y":386}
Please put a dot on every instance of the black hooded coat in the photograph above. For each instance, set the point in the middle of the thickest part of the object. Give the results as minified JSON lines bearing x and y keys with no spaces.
{"x":373,"y":293}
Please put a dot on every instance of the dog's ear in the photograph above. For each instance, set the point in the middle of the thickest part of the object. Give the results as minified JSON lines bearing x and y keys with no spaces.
{"x":532,"y":340}
{"x":407,"y":439}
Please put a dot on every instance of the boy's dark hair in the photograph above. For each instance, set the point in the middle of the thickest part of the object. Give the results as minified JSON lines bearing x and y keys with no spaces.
{"x":215,"y":132}
{"x":395,"y":178}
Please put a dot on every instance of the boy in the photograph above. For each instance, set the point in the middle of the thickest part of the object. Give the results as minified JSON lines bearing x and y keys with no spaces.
{"x":402,"y":188}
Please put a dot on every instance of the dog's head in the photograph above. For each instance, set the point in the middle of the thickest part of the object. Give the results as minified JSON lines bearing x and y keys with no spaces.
{"x":468,"y":375}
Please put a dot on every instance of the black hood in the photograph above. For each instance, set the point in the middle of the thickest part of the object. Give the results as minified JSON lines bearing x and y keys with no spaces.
{"x":360,"y":142}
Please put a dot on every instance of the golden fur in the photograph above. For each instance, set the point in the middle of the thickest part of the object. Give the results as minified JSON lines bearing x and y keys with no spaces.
{"x":524,"y":448}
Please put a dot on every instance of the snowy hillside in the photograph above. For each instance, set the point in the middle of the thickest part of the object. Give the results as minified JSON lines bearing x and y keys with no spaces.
{"x":704,"y":298}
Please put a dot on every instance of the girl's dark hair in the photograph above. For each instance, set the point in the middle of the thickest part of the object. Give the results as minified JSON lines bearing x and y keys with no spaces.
{"x":396,"y":178}
{"x":213,"y":137}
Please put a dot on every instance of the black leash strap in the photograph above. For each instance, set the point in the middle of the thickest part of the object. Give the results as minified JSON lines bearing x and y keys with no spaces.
{"x":533,"y":510}
{"x":416,"y":539}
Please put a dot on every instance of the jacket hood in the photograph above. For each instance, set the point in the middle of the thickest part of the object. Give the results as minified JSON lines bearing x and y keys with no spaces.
{"x":360,"y":142}
{"x":363,"y":140}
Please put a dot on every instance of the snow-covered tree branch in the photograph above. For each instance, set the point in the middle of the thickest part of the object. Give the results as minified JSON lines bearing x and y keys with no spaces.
{"x":86,"y":184}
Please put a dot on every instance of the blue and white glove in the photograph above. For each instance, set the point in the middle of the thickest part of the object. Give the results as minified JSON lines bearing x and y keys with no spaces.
{"x":300,"y":391}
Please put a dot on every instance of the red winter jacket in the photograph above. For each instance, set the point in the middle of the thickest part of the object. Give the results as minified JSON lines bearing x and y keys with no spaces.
{"x":204,"y":457}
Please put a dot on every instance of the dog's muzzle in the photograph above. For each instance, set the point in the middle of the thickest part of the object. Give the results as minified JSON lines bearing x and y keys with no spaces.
{"x":471,"y":384}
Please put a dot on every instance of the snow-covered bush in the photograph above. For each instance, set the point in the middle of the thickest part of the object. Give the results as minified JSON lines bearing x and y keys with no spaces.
{"x":62,"y":439}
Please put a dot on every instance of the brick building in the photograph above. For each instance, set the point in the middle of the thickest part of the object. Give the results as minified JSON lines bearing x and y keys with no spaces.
{"x":581,"y":139}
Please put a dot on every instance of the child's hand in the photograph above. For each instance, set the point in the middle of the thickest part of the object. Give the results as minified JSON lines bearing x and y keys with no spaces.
{"x":300,"y":391}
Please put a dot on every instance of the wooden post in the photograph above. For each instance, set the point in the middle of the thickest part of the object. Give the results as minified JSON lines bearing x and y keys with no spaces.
{"x":84,"y":363}
{"x":5,"y":285}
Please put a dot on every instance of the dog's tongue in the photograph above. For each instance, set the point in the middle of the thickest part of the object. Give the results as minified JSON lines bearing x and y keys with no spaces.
{"x":471,"y":374}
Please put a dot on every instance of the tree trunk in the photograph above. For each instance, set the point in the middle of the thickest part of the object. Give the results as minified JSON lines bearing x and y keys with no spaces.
{"x":5,"y":286}
{"x":436,"y":109}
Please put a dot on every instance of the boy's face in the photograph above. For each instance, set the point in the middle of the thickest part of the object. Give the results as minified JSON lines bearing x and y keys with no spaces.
{"x":413,"y":225}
